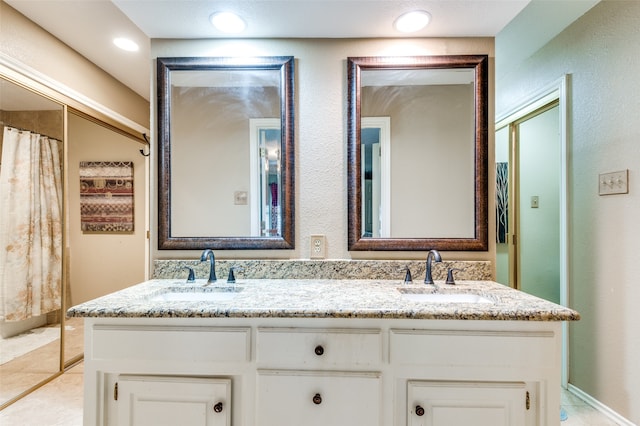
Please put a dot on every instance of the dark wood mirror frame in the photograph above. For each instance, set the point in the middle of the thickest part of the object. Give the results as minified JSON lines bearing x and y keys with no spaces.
{"x":284,"y":64}
{"x":355,"y":65}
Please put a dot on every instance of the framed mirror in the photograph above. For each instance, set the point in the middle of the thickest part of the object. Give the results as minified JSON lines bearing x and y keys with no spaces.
{"x":226,"y":153}
{"x":417,"y":153}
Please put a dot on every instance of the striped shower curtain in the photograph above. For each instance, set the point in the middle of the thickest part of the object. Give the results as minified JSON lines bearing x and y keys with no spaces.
{"x":30,"y":225}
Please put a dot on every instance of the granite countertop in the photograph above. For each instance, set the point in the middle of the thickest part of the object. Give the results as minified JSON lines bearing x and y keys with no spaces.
{"x":297,"y":298}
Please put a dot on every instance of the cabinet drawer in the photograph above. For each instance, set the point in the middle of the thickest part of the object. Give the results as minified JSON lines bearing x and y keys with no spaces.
{"x":473,"y":348}
{"x":171,"y":343}
{"x":318,"y":348}
{"x":165,"y":400}
{"x":318,"y":398}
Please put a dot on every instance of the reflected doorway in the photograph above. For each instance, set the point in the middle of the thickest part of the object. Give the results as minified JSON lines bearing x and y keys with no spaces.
{"x":376,"y":176}
{"x":265,"y":176}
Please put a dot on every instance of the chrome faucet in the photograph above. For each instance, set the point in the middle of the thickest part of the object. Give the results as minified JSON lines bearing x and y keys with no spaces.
{"x":433,"y":255}
{"x":208,"y":253}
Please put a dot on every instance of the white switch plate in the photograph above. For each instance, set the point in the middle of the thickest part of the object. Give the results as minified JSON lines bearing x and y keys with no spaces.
{"x":613,"y":183}
{"x":318,"y":247}
{"x":535,"y":202}
{"x":240,"y":198}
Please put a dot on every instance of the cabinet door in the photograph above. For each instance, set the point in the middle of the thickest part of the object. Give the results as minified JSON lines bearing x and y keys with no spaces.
{"x":318,"y":398}
{"x":170,"y":401}
{"x":466,"y":403}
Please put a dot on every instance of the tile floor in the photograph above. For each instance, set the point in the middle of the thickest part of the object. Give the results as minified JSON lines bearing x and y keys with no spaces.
{"x":579,"y":412}
{"x":28,"y":369}
{"x":59,"y":403}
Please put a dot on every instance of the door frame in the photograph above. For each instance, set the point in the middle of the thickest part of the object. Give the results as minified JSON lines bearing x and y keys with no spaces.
{"x":515,"y":248}
{"x":384,"y":124}
{"x":557,"y":90}
{"x":257,"y":192}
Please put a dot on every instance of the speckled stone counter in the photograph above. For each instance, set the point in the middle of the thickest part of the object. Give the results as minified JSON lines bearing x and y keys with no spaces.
{"x":322,"y":298}
{"x":325,"y":269}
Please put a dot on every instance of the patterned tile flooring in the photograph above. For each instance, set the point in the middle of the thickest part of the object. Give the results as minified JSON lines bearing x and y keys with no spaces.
{"x":59,"y":403}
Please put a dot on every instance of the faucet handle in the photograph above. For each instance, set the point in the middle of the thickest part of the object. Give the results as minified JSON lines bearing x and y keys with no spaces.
{"x":232,"y":278}
{"x":407,"y":276}
{"x":450,"y":279}
{"x":192,"y":277}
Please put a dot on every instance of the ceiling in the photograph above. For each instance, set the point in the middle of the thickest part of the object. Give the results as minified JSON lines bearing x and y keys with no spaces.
{"x":89,"y":26}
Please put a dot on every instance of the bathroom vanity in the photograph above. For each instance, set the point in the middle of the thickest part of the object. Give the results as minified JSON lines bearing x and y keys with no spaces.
{"x":322,"y":352}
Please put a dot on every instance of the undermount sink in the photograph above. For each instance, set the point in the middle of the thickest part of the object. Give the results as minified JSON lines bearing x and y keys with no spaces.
{"x":197,"y":294}
{"x":446,"y":298}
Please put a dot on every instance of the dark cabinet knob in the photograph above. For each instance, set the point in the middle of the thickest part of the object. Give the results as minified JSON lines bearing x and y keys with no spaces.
{"x":319,"y":350}
{"x":419,"y":411}
{"x":218,"y":407}
{"x":317,"y":399}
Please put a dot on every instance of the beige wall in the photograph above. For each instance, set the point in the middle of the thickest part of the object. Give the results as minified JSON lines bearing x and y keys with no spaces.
{"x":103,"y":263}
{"x":32,"y":46}
{"x":432,"y":158}
{"x":48,"y":123}
{"x":320,"y":132}
{"x":600,"y":52}
{"x":216,"y":163}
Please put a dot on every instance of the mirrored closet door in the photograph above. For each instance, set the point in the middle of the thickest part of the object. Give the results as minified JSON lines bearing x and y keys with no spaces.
{"x":50,"y":256}
{"x":31,"y":239}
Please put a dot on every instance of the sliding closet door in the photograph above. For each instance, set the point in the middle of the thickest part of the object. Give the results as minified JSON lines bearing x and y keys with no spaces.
{"x":31,"y":239}
{"x":107,"y":215}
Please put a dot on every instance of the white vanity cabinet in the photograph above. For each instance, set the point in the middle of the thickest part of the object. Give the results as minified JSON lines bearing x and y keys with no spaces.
{"x":321,"y":371}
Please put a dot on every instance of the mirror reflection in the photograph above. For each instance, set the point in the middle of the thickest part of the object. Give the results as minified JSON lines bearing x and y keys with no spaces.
{"x":417,"y":126}
{"x":31,"y":133}
{"x":417,"y":153}
{"x":226,"y":148}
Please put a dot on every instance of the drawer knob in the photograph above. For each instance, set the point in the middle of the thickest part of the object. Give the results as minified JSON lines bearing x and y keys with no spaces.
{"x":419,"y":411}
{"x":319,"y":350}
{"x":218,"y":407}
{"x":317,"y":399}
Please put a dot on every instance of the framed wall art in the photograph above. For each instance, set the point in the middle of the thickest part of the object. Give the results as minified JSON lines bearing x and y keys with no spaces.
{"x":106,"y":196}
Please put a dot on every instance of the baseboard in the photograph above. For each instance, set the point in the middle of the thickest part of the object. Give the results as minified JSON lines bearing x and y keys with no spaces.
{"x":606,"y":411}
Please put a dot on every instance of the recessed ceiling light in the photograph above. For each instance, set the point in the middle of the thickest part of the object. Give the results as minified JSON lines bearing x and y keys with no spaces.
{"x":227,"y":22}
{"x":126,"y":44}
{"x":412,"y":21}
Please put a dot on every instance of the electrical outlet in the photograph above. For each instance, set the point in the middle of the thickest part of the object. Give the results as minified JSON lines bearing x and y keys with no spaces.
{"x":613,"y":183}
{"x":317,"y":247}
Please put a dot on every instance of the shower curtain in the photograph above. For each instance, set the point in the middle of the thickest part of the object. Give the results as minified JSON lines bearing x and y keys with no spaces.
{"x":30,"y":225}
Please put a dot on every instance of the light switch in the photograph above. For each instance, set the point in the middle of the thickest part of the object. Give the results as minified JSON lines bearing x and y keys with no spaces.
{"x":613,"y":183}
{"x":240,"y":198}
{"x":535,"y":202}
